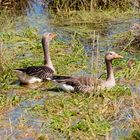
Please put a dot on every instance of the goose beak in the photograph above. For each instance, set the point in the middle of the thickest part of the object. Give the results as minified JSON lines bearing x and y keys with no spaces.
{"x":53,"y":35}
{"x":118,"y":56}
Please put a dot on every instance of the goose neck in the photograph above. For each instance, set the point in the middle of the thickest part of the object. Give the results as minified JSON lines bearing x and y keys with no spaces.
{"x":110,"y":74}
{"x":47,"y":58}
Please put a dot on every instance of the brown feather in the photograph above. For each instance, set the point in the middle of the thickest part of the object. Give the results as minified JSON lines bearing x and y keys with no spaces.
{"x":42,"y":72}
{"x":80,"y":84}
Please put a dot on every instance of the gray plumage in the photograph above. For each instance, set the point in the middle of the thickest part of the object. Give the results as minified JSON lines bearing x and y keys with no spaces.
{"x":89,"y":84}
{"x":34,"y":74}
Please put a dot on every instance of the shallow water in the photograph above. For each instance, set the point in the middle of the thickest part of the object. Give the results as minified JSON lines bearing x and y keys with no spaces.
{"x":38,"y":18}
{"x":135,"y":89}
{"x":20,"y":116}
{"x":121,"y":127}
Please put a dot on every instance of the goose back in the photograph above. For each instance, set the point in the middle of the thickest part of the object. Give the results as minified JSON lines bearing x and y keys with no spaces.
{"x":77,"y":84}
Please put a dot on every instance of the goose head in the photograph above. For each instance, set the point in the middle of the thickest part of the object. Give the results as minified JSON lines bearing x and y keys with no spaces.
{"x":49,"y":36}
{"x":110,"y":81}
{"x":112,"y":55}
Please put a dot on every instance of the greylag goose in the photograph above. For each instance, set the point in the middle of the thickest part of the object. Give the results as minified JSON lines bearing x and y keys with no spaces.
{"x":34,"y":74}
{"x":89,"y":84}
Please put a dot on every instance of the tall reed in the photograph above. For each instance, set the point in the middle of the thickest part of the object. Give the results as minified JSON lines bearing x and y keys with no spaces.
{"x":88,"y":4}
{"x":15,"y":6}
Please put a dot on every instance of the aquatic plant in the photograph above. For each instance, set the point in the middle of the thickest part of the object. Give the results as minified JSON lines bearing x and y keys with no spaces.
{"x":57,"y":5}
{"x":64,"y":115}
{"x":16,"y":6}
{"x":128,"y":41}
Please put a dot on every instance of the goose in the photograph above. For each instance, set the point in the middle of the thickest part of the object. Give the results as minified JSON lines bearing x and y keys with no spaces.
{"x":32,"y":74}
{"x":88,"y":84}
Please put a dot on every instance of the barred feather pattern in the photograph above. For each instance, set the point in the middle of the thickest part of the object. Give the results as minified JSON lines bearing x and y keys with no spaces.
{"x":80,"y":84}
{"x":42,"y":72}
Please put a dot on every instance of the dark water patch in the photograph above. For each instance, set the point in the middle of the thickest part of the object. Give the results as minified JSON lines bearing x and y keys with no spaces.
{"x":113,"y":28}
{"x":37,"y":8}
{"x":20,"y":118}
{"x":121,"y":26}
{"x":22,"y":110}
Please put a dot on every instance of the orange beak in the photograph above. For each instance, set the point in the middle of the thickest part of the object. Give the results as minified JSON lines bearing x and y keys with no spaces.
{"x":53,"y":35}
{"x":118,"y":56}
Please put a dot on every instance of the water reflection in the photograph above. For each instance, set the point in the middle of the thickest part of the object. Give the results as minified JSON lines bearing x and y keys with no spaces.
{"x":35,"y":16}
{"x":16,"y":7}
{"x":37,"y":7}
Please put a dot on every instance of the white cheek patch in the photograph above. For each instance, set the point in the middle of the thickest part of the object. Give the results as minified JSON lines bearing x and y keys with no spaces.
{"x":66,"y":87}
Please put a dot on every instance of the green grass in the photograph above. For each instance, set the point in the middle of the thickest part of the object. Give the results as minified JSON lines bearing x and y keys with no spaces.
{"x":58,"y":5}
{"x":97,"y":18}
{"x":24,"y":46}
{"x":65,"y":115}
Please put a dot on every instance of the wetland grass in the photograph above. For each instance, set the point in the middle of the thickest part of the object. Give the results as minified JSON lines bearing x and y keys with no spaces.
{"x":98,"y":18}
{"x":58,"y":5}
{"x":16,"y":7}
{"x":70,"y":115}
{"x":65,"y":115}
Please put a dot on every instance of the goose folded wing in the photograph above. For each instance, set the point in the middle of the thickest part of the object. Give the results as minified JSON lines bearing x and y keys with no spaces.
{"x":68,"y":80}
{"x":77,"y":81}
{"x":41,"y":72}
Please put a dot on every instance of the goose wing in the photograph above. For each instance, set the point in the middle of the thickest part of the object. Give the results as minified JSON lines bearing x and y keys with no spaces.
{"x":78,"y":84}
{"x":42,"y":72}
{"x":68,"y":80}
{"x":75,"y":81}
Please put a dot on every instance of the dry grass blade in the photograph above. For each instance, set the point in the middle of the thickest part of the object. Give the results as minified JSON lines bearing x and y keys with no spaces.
{"x":1,"y":57}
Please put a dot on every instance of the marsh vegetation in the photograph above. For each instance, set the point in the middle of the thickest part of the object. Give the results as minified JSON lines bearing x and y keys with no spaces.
{"x":41,"y":111}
